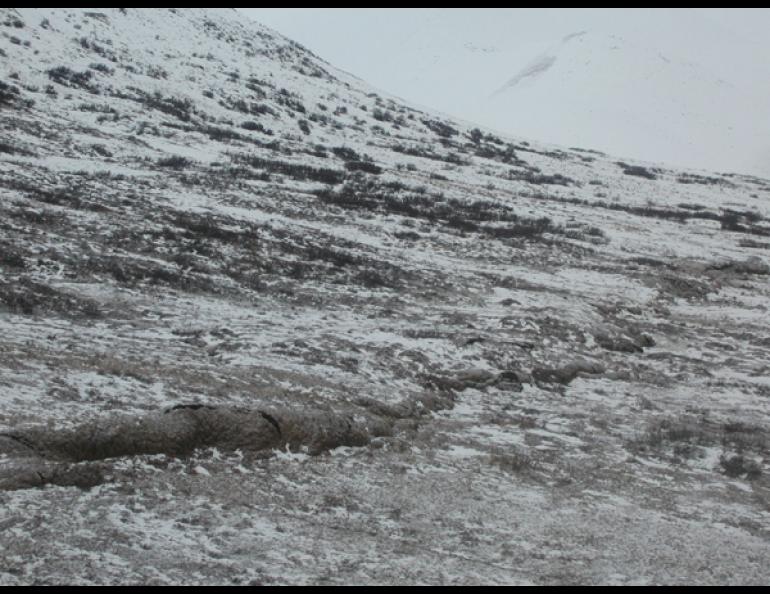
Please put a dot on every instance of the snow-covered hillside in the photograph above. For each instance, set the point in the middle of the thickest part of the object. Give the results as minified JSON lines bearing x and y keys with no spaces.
{"x":260,"y":323}
{"x":687,"y":87}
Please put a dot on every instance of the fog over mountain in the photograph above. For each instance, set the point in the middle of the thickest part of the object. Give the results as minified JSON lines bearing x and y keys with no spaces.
{"x":687,"y":87}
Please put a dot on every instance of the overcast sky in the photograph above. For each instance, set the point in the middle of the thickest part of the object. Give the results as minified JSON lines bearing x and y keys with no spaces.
{"x":689,"y":87}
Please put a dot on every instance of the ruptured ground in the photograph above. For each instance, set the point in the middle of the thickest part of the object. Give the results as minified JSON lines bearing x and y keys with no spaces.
{"x":262,"y":325}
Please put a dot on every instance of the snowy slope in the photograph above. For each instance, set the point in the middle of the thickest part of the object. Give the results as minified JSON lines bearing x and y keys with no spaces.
{"x":688,"y":87}
{"x":636,"y":98}
{"x":260,"y":323}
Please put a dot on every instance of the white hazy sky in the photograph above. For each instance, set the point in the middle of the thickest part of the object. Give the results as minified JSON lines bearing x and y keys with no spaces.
{"x":689,"y":87}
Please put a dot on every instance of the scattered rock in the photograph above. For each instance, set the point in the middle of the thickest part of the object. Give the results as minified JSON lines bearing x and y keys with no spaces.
{"x":34,"y":474}
{"x":683,"y":287}
{"x":645,"y":403}
{"x":620,"y":344}
{"x":511,"y":380}
{"x":512,"y":375}
{"x":624,"y":343}
{"x":476,"y":378}
{"x":471,"y":378}
{"x":411,"y":408}
{"x":523,"y":344}
{"x":470,"y":340}
{"x":751,"y":265}
{"x":567,"y":373}
{"x":737,"y":465}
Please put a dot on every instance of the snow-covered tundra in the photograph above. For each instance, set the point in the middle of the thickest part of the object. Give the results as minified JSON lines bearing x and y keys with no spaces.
{"x":262,"y":324}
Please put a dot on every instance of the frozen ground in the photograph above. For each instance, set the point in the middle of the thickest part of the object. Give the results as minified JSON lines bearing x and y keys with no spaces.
{"x":259,"y":324}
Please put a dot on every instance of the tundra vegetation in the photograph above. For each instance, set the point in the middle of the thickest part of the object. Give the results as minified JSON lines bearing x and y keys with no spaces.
{"x":260,"y":324}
